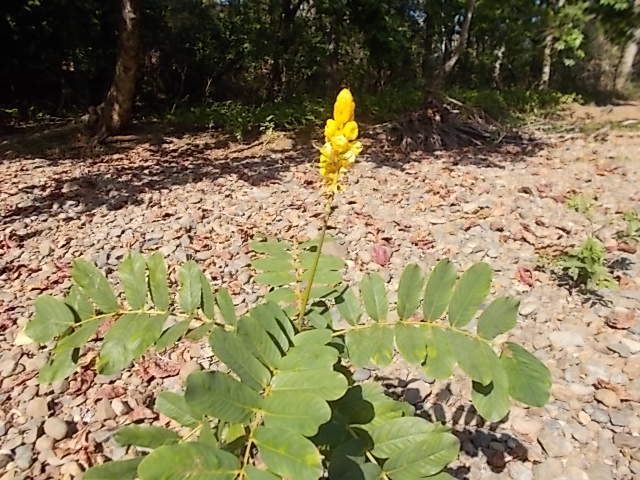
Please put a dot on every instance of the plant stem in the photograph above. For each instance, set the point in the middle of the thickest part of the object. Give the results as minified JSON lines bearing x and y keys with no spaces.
{"x":316,"y":260}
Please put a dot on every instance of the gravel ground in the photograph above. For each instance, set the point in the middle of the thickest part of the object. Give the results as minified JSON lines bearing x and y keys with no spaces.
{"x":194,"y":197}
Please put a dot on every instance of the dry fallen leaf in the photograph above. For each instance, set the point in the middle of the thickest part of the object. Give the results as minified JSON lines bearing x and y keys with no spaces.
{"x":381,"y":254}
{"x":525,"y":275}
{"x":619,"y":390}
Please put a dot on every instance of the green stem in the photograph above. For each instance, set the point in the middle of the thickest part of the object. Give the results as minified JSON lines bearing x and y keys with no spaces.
{"x":314,"y":266}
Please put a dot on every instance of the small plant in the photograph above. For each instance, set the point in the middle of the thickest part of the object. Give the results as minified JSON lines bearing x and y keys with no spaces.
{"x":586,"y":265}
{"x":580,"y":204}
{"x":631,"y":233}
{"x":287,"y":406}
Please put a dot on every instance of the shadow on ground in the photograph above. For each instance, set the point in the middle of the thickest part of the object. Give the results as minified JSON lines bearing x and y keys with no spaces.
{"x":116,"y":174}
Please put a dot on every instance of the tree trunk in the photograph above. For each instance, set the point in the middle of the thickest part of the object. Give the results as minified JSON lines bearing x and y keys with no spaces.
{"x":115,"y":112}
{"x":546,"y":61}
{"x":462,"y":41}
{"x":497,"y":67}
{"x":625,"y":67}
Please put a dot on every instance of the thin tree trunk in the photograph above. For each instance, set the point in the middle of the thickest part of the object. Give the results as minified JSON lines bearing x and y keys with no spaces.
{"x":546,"y":61}
{"x":497,"y":66}
{"x":462,"y":41}
{"x":625,"y":67}
{"x":115,"y":111}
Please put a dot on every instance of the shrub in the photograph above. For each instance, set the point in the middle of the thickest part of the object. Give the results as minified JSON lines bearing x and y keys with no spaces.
{"x":586,"y":265}
{"x":288,"y":407}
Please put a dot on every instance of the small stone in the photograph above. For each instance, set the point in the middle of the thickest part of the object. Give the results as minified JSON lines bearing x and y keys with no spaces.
{"x":361,"y":374}
{"x":566,"y":339}
{"x":621,"y":418}
{"x":527,"y":308}
{"x":103,"y":410}
{"x":519,"y":471}
{"x":44,"y":443}
{"x":120,"y":407}
{"x":620,"y":348}
{"x":575,"y":473}
{"x":72,"y":469}
{"x":38,"y":408}
{"x":607,"y":397}
{"x":548,"y":470}
{"x":23,"y":457}
{"x":188,"y":368}
{"x":554,"y":442}
{"x":56,"y":428}
{"x":625,"y":440}
{"x":583,"y":417}
{"x":526,"y":426}
{"x":4,"y":460}
{"x":600,"y":471}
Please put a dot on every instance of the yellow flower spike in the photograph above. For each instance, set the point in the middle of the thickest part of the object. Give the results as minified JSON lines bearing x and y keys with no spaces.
{"x":344,"y":108}
{"x":350,"y":130}
{"x":340,"y":149}
{"x":330,"y":129}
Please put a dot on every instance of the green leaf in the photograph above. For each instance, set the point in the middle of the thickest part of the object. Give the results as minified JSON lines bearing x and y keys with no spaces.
{"x":273,"y":320}
{"x":93,"y":282}
{"x":499,"y":317}
{"x":252,"y":332}
{"x":52,"y":317}
{"x":469,"y":294}
{"x":200,"y":332}
{"x":174,"y":406}
{"x":275,"y":279}
{"x":347,"y":461}
{"x":289,"y":454}
{"x":280,"y":263}
{"x":302,"y":413}
{"x":233,"y":352}
{"x":411,"y":340}
{"x":271,"y":247}
{"x":190,"y":288}
{"x":529,"y":378}
{"x":172,"y":334}
{"x":225,"y":304}
{"x":440,"y":357}
{"x":322,"y":382}
{"x":349,"y":306}
{"x":208,"y":298}
{"x":146,"y":436}
{"x":193,"y":461}
{"x":80,"y":336}
{"x":393,"y":436}
{"x":80,"y":303}
{"x":254,"y":474}
{"x":132,"y":274}
{"x":439,"y":289}
{"x":218,"y":395}
{"x":282,"y":295}
{"x":118,"y":470}
{"x":372,"y":344}
{"x":158,"y":281}
{"x":385,"y":408}
{"x":423,"y":458}
{"x":409,"y":291}
{"x":127,"y":339}
{"x":492,"y":400}
{"x":306,"y":356}
{"x":207,"y":437}
{"x":59,"y":366}
{"x":475,"y":357}
{"x":374,"y":296}
{"x":316,"y":336}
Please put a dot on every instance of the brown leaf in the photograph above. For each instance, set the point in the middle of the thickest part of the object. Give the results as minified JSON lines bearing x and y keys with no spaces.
{"x":621,"y":319}
{"x":141,"y":413}
{"x":381,"y":254}
{"x":627,"y":247}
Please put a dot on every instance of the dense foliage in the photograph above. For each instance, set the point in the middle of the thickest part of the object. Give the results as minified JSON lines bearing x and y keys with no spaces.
{"x":59,"y":55}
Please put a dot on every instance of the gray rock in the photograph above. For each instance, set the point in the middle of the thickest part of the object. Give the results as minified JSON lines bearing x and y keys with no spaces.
{"x":622,"y":440}
{"x":566,"y":339}
{"x":4,"y":460}
{"x":548,"y":470}
{"x":23,"y":456}
{"x":621,"y":418}
{"x":554,"y":441}
{"x":620,"y":348}
{"x":600,"y":471}
{"x":361,"y":374}
{"x":519,"y":471}
{"x":56,"y":428}
{"x":44,"y":443}
{"x":416,"y":392}
{"x":103,"y":410}
{"x":607,"y":397}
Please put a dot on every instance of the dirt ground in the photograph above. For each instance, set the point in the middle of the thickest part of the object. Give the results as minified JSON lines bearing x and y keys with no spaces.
{"x":201,"y":196}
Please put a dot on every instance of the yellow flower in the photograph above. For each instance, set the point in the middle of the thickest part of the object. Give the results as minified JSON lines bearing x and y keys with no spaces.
{"x":340,"y":149}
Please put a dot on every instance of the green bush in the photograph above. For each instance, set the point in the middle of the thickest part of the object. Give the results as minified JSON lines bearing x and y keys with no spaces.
{"x":586,"y":265}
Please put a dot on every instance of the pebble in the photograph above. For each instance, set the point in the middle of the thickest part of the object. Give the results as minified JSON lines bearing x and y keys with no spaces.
{"x":361,"y":374}
{"x":566,"y":339}
{"x":554,"y":442}
{"x":44,"y":443}
{"x":23,"y":456}
{"x":550,"y":469}
{"x":607,"y":397}
{"x":56,"y":428}
{"x":37,"y":408}
{"x":103,"y":410}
